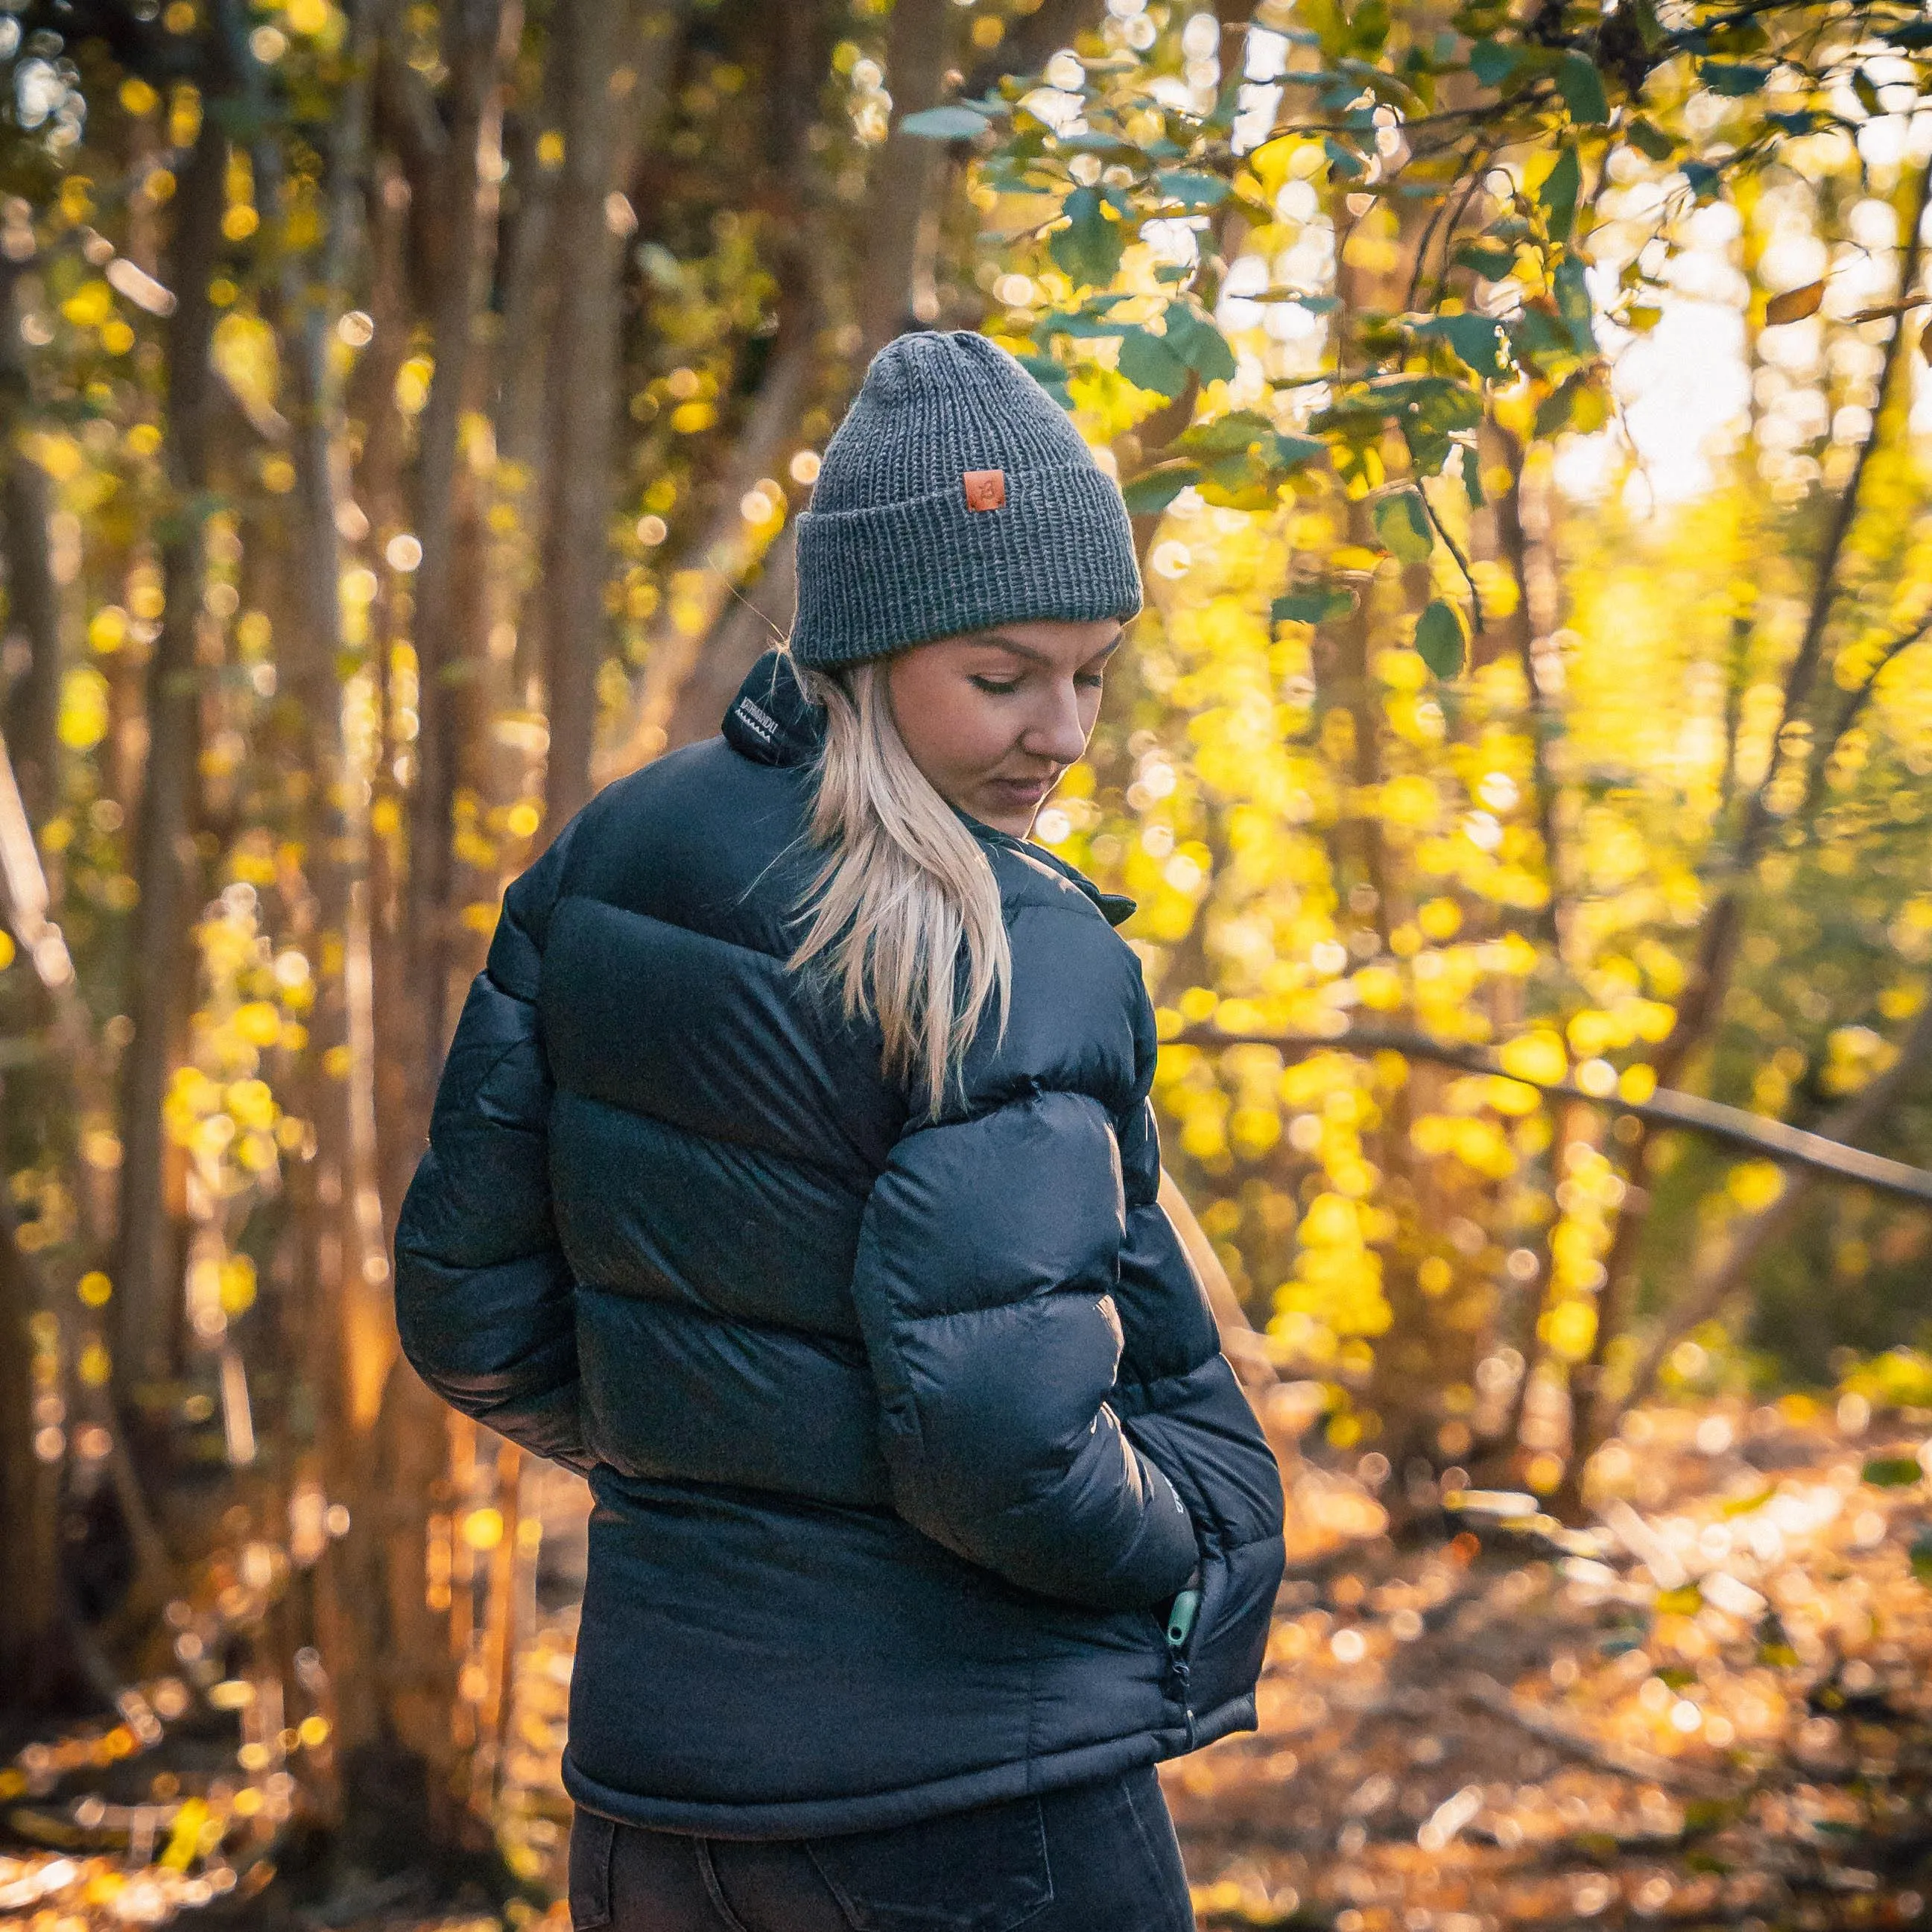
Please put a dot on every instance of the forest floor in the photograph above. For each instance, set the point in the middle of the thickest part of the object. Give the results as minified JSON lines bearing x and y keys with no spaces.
{"x":1712,"y":1709}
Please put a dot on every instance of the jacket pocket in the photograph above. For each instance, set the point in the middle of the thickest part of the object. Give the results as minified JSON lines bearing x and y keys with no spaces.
{"x":983,"y":1871}
{"x":1179,"y":1658}
{"x":1222,"y":1657}
{"x":592,"y":1841}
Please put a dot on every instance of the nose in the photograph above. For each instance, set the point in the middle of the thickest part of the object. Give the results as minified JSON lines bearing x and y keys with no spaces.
{"x":1058,"y":731}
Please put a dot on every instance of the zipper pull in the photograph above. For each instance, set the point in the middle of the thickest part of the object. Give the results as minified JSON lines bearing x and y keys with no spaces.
{"x":1182,"y":1612}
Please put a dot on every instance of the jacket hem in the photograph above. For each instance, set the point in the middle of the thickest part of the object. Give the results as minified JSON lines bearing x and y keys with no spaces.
{"x":1237,"y":1713}
{"x":877,"y":1810}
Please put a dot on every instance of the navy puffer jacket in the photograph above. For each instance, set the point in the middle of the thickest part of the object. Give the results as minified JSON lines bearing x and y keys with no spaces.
{"x":902,"y":1432}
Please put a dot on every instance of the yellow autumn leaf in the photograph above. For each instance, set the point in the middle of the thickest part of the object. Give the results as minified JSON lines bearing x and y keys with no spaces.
{"x":83,"y":709}
{"x":1536,"y":1056}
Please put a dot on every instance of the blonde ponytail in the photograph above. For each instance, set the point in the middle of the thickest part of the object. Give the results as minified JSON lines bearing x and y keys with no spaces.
{"x":903,"y":892}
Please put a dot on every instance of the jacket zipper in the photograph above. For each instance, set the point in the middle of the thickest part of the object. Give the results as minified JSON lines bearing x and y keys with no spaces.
{"x":1178,"y":1668}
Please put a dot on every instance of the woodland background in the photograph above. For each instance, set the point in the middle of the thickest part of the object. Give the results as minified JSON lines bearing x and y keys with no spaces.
{"x":1521,"y":767}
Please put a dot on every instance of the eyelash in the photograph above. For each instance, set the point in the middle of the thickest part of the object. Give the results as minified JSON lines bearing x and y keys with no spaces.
{"x":993,"y":689}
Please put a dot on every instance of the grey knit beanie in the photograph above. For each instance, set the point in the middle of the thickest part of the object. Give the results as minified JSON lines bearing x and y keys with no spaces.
{"x":956,"y":495}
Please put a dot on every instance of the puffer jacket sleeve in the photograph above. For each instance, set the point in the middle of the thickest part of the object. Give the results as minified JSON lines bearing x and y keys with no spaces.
{"x":485,"y":1299}
{"x":985,"y":1284}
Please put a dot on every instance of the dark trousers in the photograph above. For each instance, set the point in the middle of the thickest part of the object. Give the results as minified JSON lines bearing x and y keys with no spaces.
{"x":1097,"y":1858}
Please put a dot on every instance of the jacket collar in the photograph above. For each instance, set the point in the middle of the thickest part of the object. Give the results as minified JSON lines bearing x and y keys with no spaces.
{"x":773,"y":722}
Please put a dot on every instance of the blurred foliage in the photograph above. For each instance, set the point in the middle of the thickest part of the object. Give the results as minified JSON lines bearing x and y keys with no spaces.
{"x":1523,"y":408}
{"x":1360,"y":303}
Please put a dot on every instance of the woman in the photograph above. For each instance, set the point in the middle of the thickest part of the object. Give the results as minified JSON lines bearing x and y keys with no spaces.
{"x":793,"y":1176}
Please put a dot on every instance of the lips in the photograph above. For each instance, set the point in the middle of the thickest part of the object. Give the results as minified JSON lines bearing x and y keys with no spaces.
{"x":1022,"y":791}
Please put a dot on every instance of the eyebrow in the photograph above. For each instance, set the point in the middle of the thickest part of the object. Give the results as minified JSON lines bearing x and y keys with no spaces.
{"x":1001,"y":641}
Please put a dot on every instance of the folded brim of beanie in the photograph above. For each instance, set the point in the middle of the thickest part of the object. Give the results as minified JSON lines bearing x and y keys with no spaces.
{"x":876,"y":579}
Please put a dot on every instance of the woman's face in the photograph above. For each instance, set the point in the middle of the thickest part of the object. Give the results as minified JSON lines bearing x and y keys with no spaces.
{"x":993,"y":719}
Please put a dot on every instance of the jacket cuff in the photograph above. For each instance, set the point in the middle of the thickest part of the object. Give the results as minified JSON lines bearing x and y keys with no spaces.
{"x":1164,"y":1552}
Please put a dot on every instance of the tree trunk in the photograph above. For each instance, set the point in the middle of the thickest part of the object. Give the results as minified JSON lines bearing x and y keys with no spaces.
{"x":588,"y":34}
{"x":32,"y":1645}
{"x":903,"y":172}
{"x":159,"y":958}
{"x":471,"y":33}
{"x":33,"y":598}
{"x":33,"y":701}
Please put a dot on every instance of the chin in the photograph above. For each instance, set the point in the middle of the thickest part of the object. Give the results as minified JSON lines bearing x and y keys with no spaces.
{"x":1005,"y":814}
{"x":1015,"y":824}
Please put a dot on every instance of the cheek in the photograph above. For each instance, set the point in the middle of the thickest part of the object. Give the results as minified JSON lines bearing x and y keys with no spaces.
{"x":981,"y":733}
{"x":949,"y":727}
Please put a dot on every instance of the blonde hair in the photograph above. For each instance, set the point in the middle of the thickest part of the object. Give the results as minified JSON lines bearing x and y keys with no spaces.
{"x":905,"y":911}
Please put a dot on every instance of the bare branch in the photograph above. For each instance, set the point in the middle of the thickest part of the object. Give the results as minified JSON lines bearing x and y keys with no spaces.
{"x":1774,"y":1140}
{"x":1721,"y":1270}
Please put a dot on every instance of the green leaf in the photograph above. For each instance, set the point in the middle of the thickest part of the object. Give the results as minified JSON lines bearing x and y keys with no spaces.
{"x":1428,"y":410}
{"x":1403,"y":525}
{"x":1649,"y":140}
{"x":1582,"y":87}
{"x":1243,"y":434}
{"x":1921,"y":1556}
{"x":1480,"y":341}
{"x":1492,"y":63}
{"x":1190,"y":189}
{"x":1149,"y":362}
{"x":1490,"y":260}
{"x":1553,"y":413}
{"x":1089,"y":249}
{"x":1542,"y":342}
{"x":1734,"y":80}
{"x":1317,"y":605}
{"x":1199,"y":343}
{"x":1649,"y":28}
{"x":1441,"y":638}
{"x":1290,"y":452}
{"x":1050,"y":375}
{"x":950,"y":123}
{"x":1559,"y":194}
{"x":1152,"y":491}
{"x":1239,"y":430}
{"x":1573,"y":304}
{"x":1685,"y":1601}
{"x":1342,"y":161}
{"x":1472,"y":476}
{"x":1702,"y":180}
{"x":1862,"y":85}
{"x":1892,"y":1472}
{"x":1082,"y":327}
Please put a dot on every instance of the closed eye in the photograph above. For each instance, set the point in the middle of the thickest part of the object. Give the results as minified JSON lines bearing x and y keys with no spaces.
{"x":996,"y":688}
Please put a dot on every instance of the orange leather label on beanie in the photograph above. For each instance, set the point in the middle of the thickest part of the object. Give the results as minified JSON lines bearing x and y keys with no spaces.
{"x":985,"y":489}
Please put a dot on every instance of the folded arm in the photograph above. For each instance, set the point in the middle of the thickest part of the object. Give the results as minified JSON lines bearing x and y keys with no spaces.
{"x":485,"y":1299}
{"x":985,"y":1288}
